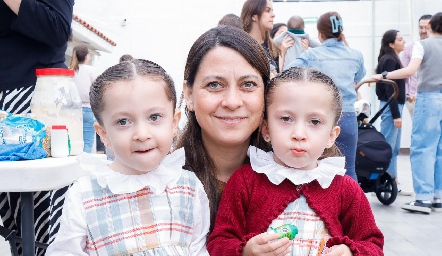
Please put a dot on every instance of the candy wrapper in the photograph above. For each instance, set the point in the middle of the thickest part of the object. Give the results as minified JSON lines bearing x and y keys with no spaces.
{"x":20,"y":129}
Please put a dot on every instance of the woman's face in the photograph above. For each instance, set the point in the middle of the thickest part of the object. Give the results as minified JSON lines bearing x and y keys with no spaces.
{"x":266,"y":20}
{"x":399,"y":43}
{"x":227,"y":98}
{"x":280,"y":30}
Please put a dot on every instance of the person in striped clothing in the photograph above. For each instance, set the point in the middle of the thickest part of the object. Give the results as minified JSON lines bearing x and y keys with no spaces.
{"x":144,"y":202}
{"x":33,"y":34}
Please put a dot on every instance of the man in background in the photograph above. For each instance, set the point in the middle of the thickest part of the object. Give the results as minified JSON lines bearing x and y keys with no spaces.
{"x":411,"y":82}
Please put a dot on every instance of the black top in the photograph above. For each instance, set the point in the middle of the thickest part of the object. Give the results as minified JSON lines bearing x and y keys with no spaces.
{"x":389,"y":63}
{"x":35,"y":38}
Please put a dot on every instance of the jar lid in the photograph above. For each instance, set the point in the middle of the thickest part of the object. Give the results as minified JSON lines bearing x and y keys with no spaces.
{"x":54,"y":72}
{"x":59,"y":127}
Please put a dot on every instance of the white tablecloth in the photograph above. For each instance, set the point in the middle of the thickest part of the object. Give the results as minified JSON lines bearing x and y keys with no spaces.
{"x":39,"y":175}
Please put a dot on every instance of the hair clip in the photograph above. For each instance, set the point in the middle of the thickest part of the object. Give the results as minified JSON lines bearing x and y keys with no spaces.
{"x":335,"y":23}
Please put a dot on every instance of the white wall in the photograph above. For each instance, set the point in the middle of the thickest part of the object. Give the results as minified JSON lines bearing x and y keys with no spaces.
{"x":164,"y":30}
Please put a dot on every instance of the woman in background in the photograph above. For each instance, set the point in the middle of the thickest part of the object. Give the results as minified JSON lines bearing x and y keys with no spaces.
{"x":277,"y":29}
{"x":257,"y":16}
{"x":84,"y":76}
{"x":346,"y":67}
{"x":391,"y":122}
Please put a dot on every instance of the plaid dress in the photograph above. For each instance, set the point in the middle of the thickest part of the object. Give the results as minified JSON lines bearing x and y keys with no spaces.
{"x":139,"y":223}
{"x":312,"y":234}
{"x":163,"y":212}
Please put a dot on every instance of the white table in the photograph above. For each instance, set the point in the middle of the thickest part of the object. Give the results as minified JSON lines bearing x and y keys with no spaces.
{"x":36,"y":175}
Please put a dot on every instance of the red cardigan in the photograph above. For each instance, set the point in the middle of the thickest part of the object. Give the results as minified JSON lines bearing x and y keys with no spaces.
{"x":250,"y":202}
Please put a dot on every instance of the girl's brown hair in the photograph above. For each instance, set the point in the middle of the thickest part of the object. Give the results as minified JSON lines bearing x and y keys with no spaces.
{"x":127,"y":71}
{"x":330,"y":25}
{"x":198,"y":159}
{"x":301,"y":74}
{"x":79,"y":54}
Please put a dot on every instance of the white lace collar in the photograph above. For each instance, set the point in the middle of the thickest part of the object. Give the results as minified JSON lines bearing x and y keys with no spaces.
{"x":167,"y":173}
{"x":328,"y":168}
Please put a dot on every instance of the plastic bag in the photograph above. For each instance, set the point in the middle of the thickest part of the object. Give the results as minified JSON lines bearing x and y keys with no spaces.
{"x":21,"y":129}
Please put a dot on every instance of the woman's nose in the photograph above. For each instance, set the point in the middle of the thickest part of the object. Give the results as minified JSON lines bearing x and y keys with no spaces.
{"x":232,"y":98}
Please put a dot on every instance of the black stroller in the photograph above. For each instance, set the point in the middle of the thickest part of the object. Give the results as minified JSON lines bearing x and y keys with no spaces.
{"x":373,"y":154}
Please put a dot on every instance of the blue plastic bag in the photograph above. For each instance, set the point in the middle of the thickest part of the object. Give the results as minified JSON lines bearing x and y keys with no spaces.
{"x":22,"y":129}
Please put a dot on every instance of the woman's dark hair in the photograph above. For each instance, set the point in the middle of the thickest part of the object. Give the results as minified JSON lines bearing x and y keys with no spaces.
{"x":330,"y":25}
{"x":276,"y":28}
{"x":436,"y":23}
{"x":298,"y":75}
{"x":256,"y":7}
{"x":78,"y":56}
{"x":127,"y":71}
{"x":198,"y":159}
{"x":388,"y":38}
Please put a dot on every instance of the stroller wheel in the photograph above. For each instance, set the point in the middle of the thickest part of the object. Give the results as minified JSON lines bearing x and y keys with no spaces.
{"x":386,"y":189}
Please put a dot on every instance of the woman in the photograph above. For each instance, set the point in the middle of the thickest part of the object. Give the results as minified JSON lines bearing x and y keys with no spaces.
{"x":391,"y":45}
{"x":426,"y":136}
{"x":277,"y":29}
{"x":257,"y":16}
{"x":84,"y":76}
{"x":225,"y":77}
{"x":346,"y":67}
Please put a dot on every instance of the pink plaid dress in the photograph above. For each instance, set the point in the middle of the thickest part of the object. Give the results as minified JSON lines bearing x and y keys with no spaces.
{"x":164,"y":212}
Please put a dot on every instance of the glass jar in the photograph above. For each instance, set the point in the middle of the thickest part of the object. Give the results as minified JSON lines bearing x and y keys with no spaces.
{"x":56,"y":102}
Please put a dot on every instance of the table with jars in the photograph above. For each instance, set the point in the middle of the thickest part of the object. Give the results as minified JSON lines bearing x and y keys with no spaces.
{"x":56,"y":103}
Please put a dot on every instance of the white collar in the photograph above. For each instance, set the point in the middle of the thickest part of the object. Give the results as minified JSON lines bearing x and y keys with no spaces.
{"x":328,"y":168}
{"x":167,"y":174}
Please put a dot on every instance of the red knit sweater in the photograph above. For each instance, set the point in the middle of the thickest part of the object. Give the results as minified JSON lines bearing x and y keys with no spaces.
{"x":250,"y":202}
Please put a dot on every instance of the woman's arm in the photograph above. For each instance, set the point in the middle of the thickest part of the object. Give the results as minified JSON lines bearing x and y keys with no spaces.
{"x":406,"y":72}
{"x":48,"y":22}
{"x":412,"y":68}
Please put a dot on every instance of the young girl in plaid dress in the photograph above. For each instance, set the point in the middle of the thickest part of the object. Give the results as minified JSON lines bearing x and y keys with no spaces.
{"x":300,"y":183}
{"x":144,"y":202}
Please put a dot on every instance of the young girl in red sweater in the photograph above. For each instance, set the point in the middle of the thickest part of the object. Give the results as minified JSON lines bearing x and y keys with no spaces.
{"x":300,"y":183}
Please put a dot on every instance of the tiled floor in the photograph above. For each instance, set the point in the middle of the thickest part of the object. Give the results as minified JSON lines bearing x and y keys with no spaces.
{"x":406,"y":234}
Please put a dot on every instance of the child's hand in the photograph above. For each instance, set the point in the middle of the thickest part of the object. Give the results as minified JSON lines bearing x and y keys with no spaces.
{"x":266,"y":244}
{"x":339,"y":250}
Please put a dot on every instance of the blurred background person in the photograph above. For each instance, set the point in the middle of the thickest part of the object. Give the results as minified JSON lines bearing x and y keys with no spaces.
{"x":392,"y":44}
{"x":296,"y":39}
{"x":346,"y":67}
{"x":277,"y":29}
{"x":426,"y":135}
{"x":126,"y":57}
{"x":231,"y":19}
{"x":84,"y":76}
{"x":405,"y":57}
{"x":257,"y":16}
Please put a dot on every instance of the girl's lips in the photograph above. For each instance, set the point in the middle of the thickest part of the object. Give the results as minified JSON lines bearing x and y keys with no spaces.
{"x":298,"y":152}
